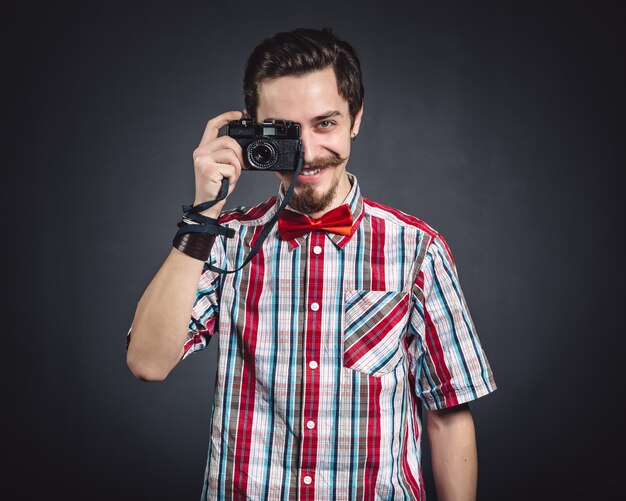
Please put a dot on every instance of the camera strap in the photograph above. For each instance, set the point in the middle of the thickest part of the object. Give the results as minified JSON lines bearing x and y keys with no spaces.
{"x":204,"y":224}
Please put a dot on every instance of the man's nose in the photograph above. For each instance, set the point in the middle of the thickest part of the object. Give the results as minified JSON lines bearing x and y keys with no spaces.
{"x":310,"y":145}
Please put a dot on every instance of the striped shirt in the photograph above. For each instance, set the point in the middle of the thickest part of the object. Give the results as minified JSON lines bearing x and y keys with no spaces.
{"x":329,"y":346}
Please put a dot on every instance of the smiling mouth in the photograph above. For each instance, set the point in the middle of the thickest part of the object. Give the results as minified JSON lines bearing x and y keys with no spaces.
{"x":319,"y":164}
{"x":310,"y":172}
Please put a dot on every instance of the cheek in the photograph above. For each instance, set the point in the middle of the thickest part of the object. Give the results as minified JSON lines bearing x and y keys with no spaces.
{"x":338,"y":144}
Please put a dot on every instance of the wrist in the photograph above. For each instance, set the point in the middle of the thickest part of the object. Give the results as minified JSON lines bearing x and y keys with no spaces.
{"x":213,"y":212}
{"x":196,"y":245}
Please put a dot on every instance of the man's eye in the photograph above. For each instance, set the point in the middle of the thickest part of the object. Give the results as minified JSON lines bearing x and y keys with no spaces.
{"x":324,"y":124}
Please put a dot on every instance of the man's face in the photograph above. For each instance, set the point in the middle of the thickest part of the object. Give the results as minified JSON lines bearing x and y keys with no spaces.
{"x":314,"y":102}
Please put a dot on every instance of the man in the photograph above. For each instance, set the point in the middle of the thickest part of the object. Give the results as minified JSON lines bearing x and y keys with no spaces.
{"x":330,"y":343}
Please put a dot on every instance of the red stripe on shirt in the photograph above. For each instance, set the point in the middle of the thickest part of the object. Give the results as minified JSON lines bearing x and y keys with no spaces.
{"x":415,"y":403}
{"x":372,"y":463}
{"x":406,"y":468}
{"x":312,"y":351}
{"x":377,"y":256}
{"x":438,"y":357}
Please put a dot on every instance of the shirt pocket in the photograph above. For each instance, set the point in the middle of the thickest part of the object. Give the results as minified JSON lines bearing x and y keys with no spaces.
{"x":374,"y":322}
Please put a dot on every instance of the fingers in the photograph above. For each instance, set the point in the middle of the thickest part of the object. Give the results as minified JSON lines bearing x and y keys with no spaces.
{"x":203,"y":163}
{"x":216,"y":145}
{"x":214,"y":173}
{"x":215,"y":124}
{"x":209,"y":183}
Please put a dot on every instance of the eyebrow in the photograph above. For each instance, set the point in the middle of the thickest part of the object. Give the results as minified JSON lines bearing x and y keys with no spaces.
{"x":323,"y":116}
{"x":327,"y":115}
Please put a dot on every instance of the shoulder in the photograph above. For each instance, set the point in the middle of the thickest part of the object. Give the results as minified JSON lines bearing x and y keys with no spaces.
{"x":397,"y":217}
{"x":250,"y":216}
{"x":437,"y":243}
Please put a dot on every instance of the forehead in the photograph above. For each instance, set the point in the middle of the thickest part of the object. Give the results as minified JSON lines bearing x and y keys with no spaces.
{"x":302,"y":98}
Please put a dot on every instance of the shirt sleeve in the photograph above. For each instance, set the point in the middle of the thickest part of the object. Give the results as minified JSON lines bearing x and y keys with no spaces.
{"x":205,"y":312}
{"x":448,"y":362}
{"x":203,"y":323}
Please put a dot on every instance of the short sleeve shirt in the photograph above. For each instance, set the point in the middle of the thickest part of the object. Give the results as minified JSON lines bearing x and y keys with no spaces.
{"x":329,"y":347}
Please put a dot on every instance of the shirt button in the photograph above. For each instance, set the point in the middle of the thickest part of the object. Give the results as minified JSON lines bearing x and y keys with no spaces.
{"x":310,"y":425}
{"x":315,"y":306}
{"x":313,"y":364}
{"x":317,"y":249}
{"x":307,"y":480}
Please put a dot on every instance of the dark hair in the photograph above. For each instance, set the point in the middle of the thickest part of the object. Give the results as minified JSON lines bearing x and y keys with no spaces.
{"x":299,"y":52}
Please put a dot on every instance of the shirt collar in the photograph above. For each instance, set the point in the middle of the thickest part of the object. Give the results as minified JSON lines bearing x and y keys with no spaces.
{"x":354,"y":200}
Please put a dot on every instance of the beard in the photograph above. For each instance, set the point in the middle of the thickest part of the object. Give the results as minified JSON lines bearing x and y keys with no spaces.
{"x":308,"y":201}
{"x":305,"y":198}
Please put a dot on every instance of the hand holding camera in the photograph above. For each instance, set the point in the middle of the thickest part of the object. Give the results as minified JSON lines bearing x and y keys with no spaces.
{"x":214,"y":159}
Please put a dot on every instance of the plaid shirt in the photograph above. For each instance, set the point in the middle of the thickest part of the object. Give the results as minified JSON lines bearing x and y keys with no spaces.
{"x":329,"y":346}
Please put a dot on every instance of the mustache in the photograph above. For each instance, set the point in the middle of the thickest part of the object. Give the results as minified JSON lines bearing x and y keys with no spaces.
{"x":332,"y":160}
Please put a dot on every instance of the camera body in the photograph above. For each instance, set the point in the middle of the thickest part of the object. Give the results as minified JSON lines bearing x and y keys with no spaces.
{"x":270,"y":145}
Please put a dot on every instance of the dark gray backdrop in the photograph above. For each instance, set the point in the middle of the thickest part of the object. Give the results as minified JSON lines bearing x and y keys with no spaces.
{"x":498,"y":124}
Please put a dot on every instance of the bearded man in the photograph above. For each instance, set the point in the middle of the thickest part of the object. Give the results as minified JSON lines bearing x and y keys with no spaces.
{"x":336,"y":335}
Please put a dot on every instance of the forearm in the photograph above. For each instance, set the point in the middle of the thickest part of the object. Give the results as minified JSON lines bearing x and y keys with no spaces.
{"x":159,"y":328}
{"x":454,"y":457}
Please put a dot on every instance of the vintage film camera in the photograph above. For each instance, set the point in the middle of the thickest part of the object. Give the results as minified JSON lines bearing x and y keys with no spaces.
{"x":268,"y":145}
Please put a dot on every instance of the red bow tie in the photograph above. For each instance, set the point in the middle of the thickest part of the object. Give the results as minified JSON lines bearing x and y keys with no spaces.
{"x":293,"y":225}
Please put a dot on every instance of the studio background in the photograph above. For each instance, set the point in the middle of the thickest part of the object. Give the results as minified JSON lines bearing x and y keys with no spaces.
{"x":498,"y":124}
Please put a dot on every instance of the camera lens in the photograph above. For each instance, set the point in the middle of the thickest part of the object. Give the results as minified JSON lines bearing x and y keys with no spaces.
{"x":262,"y":154}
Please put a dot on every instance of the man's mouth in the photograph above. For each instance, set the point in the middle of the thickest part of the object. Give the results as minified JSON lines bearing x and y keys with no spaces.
{"x":310,"y":172}
{"x":320,"y":164}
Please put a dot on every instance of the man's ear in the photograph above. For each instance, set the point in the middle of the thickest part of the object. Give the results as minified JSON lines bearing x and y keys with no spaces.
{"x":357,"y":122}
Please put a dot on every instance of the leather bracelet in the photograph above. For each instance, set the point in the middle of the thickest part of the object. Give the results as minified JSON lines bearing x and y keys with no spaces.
{"x":196,"y":245}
